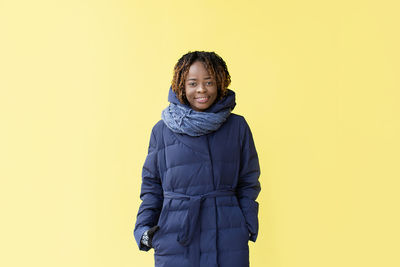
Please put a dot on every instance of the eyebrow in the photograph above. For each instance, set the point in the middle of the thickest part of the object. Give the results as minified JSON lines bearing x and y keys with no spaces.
{"x":206,"y":78}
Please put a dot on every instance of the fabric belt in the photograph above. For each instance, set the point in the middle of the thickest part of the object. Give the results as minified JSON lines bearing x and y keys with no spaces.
{"x":189,"y":224}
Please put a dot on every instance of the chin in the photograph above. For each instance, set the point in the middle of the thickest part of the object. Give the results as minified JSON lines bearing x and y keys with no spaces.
{"x":201,"y":108}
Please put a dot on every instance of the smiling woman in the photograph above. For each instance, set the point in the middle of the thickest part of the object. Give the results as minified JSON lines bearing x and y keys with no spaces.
{"x":200,"y":177}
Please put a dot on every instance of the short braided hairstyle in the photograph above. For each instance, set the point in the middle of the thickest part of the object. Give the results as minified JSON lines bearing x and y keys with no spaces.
{"x":213,"y":63}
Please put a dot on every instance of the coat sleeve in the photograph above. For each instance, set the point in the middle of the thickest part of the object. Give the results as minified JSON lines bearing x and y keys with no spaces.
{"x":248,"y":186}
{"x":151,"y":194}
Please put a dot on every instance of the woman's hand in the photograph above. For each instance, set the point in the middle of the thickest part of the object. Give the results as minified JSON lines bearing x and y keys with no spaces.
{"x":147,"y":237}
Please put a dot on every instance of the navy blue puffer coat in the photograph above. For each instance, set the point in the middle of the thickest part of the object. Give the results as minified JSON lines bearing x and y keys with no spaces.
{"x":201,"y":192}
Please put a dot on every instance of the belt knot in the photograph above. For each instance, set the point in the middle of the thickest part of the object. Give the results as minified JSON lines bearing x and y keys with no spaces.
{"x":189,"y":223}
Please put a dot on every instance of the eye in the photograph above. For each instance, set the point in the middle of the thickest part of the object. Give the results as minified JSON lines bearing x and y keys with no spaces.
{"x":209,"y":83}
{"x":192,"y":84}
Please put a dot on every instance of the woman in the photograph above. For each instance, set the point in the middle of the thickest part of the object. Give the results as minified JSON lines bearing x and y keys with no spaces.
{"x":200,"y":179}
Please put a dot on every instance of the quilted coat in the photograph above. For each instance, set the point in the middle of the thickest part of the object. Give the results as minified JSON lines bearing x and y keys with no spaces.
{"x":201,"y":191}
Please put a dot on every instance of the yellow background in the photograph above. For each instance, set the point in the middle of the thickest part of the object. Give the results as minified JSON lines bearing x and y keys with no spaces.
{"x":83,"y":82}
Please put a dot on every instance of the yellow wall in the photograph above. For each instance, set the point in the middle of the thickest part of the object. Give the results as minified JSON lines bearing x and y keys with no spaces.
{"x":83,"y":82}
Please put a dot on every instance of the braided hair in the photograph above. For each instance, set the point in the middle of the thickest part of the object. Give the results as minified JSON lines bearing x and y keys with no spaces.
{"x":213,"y":63}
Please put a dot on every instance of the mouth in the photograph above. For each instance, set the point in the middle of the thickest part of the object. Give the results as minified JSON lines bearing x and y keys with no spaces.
{"x":202,"y":99}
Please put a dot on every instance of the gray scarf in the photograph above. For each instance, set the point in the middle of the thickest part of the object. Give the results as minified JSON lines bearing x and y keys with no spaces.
{"x":183,"y":119}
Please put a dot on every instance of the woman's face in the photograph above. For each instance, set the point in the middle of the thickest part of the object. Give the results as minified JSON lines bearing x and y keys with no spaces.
{"x":200,"y":87}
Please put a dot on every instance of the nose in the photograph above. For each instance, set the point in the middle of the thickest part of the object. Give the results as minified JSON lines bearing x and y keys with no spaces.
{"x":201,"y":88}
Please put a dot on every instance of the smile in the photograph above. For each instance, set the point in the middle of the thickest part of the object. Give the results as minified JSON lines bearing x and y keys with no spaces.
{"x":202,"y":99}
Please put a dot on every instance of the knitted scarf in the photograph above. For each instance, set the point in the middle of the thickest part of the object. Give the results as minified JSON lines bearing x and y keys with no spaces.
{"x":183,"y":119}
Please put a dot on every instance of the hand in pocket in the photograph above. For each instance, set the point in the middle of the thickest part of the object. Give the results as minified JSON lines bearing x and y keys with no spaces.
{"x":147,"y":237}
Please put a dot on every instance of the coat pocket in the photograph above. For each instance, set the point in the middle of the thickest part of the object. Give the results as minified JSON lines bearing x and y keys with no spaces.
{"x":154,"y":239}
{"x":160,"y":223}
{"x":244,"y":226}
{"x":244,"y":223}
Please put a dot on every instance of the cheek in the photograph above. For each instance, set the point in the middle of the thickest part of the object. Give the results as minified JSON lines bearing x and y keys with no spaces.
{"x":186,"y":93}
{"x":216,"y":94}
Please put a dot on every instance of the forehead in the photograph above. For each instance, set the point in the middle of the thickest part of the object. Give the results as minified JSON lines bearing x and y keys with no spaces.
{"x":198,"y":70}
